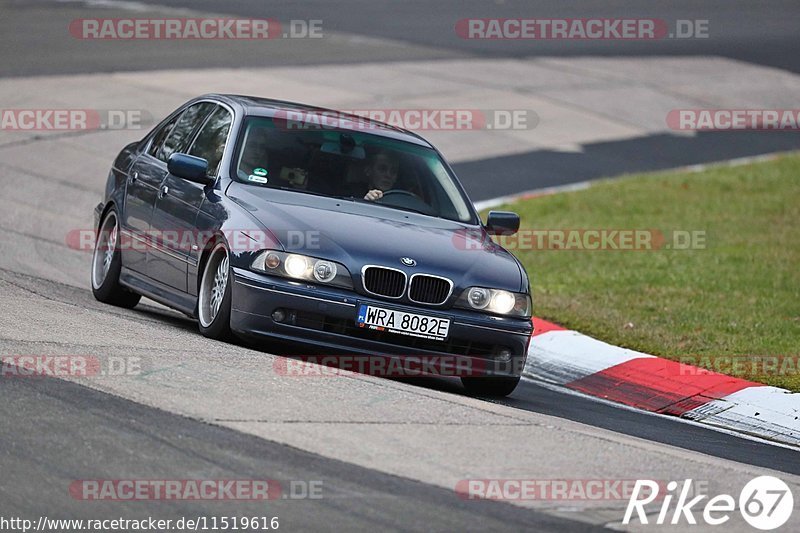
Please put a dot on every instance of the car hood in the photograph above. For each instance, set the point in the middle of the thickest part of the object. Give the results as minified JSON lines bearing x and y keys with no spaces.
{"x":358,"y":233}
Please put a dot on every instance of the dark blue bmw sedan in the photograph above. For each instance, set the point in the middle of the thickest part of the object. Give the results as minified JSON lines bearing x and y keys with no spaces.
{"x":278,"y":221}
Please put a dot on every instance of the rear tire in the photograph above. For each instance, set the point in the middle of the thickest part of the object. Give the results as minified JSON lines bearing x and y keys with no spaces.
{"x":494,"y":386}
{"x":107,"y":264}
{"x":214,"y":296}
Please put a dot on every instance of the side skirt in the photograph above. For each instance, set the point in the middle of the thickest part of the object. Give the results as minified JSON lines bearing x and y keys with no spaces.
{"x":169,"y":296}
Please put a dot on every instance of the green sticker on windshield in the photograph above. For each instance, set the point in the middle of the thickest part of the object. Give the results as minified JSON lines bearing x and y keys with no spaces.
{"x":260,"y":171}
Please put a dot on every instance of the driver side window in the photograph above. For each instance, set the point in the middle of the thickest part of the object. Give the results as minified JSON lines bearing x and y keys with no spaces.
{"x":210,"y":142}
{"x":161,"y":136}
{"x":181,"y":133}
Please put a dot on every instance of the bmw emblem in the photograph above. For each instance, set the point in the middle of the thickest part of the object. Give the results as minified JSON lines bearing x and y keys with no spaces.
{"x":407,"y":261}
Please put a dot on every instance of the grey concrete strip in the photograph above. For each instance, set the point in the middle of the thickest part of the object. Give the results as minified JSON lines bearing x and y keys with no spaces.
{"x":576,"y":101}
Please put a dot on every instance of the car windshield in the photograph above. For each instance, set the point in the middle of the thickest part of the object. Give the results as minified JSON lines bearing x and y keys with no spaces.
{"x":277,"y":154}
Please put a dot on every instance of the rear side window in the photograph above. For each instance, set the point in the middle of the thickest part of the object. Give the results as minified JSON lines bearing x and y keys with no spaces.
{"x":210,"y":142}
{"x":181,"y":134}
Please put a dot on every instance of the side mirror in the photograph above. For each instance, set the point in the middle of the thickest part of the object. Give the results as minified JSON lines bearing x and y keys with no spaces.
{"x":502,"y":223}
{"x":190,"y":168}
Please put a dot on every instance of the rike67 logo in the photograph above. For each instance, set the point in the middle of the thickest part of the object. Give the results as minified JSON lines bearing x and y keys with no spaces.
{"x":765,"y":503}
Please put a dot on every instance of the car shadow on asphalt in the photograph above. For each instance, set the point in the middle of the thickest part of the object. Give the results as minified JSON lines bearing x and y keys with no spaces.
{"x":155,"y":311}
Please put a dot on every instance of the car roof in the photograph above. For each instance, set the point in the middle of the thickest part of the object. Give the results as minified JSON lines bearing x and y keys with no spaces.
{"x":268,"y":107}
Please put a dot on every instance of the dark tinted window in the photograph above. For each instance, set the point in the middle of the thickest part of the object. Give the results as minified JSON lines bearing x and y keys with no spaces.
{"x":210,"y":142}
{"x":161,"y":135}
{"x":181,"y":133}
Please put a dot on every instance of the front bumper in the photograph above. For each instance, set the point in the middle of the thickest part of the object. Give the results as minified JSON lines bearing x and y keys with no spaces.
{"x":324,"y":319}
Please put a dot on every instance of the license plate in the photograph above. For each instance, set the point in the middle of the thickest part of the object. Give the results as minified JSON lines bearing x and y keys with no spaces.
{"x":427,"y":327}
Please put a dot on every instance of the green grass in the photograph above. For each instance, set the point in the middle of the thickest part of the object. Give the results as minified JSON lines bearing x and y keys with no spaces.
{"x":739,"y":296}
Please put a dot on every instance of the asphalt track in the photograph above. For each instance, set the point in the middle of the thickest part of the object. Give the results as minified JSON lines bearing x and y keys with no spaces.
{"x":54,"y":432}
{"x":48,"y":420}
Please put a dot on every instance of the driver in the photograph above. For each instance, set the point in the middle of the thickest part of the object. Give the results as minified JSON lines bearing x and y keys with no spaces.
{"x":255,"y":153}
{"x":381,"y":173}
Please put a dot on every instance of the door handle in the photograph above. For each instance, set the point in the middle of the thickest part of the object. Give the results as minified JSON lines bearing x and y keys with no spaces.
{"x":133,"y":177}
{"x":163,"y":191}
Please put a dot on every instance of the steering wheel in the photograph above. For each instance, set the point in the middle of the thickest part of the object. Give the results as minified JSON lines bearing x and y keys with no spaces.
{"x":406,"y":199}
{"x":400,"y":192}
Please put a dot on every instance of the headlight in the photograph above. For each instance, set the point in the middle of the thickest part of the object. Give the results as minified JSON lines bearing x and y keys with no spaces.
{"x":495,"y":301}
{"x":297,"y":266}
{"x":479,"y":297}
{"x":324,"y":271}
{"x":302,"y":267}
{"x":502,"y":302}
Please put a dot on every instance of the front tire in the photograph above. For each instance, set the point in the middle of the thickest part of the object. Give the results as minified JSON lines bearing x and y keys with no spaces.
{"x":494,"y":386}
{"x":214,"y":296}
{"x":107,"y":263}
